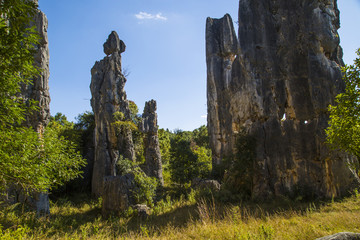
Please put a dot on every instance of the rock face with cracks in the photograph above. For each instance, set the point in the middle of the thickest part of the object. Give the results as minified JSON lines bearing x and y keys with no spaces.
{"x":39,"y":89}
{"x":117,"y":192}
{"x":276,"y":83}
{"x":151,"y":142}
{"x":109,"y":97}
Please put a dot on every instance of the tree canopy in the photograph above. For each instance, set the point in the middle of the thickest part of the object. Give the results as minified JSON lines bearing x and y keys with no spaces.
{"x":29,"y":160}
{"x":344,"y":130}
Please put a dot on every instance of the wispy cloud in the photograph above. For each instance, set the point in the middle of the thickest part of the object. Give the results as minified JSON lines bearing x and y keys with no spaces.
{"x":204,"y":116}
{"x":149,"y":16}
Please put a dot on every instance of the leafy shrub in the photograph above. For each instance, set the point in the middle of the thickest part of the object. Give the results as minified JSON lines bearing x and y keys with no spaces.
{"x":188,"y":160}
{"x":144,"y":189}
{"x":239,"y":169}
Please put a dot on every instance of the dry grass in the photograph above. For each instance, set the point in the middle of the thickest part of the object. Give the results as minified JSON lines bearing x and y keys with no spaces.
{"x":185,"y":219}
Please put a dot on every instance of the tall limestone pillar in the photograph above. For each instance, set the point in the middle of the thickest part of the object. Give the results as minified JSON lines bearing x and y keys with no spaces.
{"x":151,"y":142}
{"x":108,"y":97}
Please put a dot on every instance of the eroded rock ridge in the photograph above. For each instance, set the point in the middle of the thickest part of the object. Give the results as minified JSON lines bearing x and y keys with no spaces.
{"x":276,"y":82}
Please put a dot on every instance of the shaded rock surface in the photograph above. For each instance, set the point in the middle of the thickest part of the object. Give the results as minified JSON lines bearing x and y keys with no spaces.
{"x":117,"y":194}
{"x":342,"y":236}
{"x":108,"y":97}
{"x":142,"y":210}
{"x":114,"y":44}
{"x":151,"y":142}
{"x":277,"y":86}
{"x":206,"y":184}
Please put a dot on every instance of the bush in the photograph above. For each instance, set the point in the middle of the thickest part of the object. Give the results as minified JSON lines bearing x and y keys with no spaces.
{"x":144,"y":189}
{"x":239,"y":169}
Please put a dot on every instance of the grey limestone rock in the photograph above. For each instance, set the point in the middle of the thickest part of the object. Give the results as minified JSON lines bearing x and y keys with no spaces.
{"x":38,"y":90}
{"x":151,"y":142}
{"x":221,"y":49}
{"x":142,"y":210}
{"x":109,"y":97}
{"x":117,"y":194}
{"x":114,"y":44}
{"x":342,"y":236}
{"x":206,"y":184}
{"x":277,"y":86}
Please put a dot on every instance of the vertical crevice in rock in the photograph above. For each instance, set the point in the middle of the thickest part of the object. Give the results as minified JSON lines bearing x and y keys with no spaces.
{"x":108,"y":97}
{"x":289,"y":64}
{"x":151,"y":142}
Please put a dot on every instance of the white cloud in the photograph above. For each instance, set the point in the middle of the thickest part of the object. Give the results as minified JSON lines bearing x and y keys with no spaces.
{"x":204,"y":116}
{"x":148,"y":16}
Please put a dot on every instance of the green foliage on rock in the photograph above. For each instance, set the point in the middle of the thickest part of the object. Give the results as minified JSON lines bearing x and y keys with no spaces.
{"x":122,"y":124}
{"x":344,"y":130}
{"x":144,"y":189}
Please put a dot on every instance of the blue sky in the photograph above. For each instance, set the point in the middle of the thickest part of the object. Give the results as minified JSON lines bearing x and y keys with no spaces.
{"x":165,"y":52}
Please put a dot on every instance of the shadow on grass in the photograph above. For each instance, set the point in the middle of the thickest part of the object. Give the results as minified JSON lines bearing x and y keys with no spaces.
{"x":78,"y":214}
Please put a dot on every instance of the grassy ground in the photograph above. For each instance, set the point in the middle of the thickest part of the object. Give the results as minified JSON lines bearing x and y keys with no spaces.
{"x":186,"y":219}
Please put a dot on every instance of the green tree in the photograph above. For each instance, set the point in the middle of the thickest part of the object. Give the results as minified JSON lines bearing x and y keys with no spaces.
{"x":187,"y":159}
{"x":37,"y":163}
{"x":344,"y":125}
{"x":144,"y":189}
{"x":66,"y":129}
{"x":29,"y":160}
{"x":165,"y":137}
{"x":17,"y":47}
{"x":201,"y":136}
{"x":85,"y":125}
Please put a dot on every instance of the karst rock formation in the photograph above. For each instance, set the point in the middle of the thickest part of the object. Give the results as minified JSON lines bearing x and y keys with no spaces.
{"x":109,"y":97}
{"x":275,"y":82}
{"x":151,"y":142}
{"x":38,"y":91}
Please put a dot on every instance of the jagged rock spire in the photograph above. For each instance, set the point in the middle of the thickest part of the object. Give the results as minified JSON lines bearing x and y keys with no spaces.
{"x":108,"y":97}
{"x":151,"y":142}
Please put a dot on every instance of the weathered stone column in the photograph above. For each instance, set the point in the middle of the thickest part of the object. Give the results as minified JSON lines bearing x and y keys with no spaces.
{"x":39,"y":89}
{"x":221,"y":49}
{"x":151,"y":142}
{"x":109,"y":97}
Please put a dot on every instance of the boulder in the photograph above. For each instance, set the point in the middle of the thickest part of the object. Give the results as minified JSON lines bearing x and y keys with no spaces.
{"x":206,"y":184}
{"x":342,"y":236}
{"x":142,"y":210}
{"x":116,"y":195}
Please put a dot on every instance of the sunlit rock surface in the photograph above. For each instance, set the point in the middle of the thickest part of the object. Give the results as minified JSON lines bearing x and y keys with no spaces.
{"x":151,"y":142}
{"x":108,"y":97}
